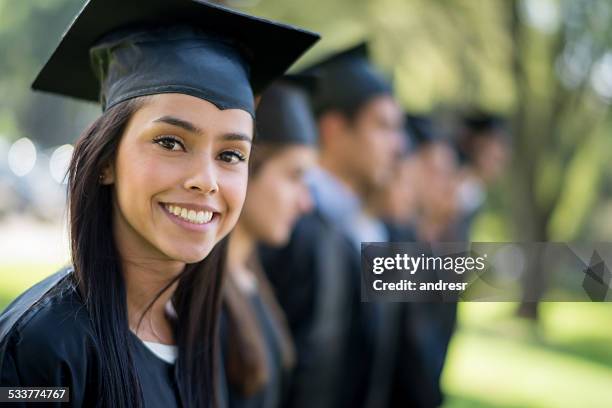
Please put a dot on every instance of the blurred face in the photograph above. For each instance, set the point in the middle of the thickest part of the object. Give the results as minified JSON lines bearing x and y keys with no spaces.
{"x":374,"y":141}
{"x":438,"y":179}
{"x":277,"y":195}
{"x":401,"y":192}
{"x":491,"y":157}
{"x":180,"y":178}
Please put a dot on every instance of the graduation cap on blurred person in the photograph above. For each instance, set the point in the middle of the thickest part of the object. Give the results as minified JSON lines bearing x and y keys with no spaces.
{"x":347,"y":80}
{"x":482,"y":123}
{"x":420,"y":130}
{"x":284,"y":114}
{"x":120,"y":49}
{"x":475,"y":124}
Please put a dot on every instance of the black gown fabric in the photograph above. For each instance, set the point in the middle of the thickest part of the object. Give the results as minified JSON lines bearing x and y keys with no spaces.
{"x":46,"y":340}
{"x":424,"y":336}
{"x":270,"y":395}
{"x":314,"y":281}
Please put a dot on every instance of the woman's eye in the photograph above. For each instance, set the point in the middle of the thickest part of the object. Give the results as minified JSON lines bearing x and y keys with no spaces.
{"x":169,"y":143}
{"x":232,"y":157}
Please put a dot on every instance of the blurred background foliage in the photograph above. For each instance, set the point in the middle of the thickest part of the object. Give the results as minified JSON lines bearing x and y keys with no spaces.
{"x":545,"y":64}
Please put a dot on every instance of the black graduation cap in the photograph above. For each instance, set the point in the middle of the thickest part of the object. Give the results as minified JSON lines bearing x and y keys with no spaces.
{"x":420,"y":130}
{"x":284,"y":114}
{"x":119,"y":49}
{"x":347,"y":81}
{"x":483,"y":123}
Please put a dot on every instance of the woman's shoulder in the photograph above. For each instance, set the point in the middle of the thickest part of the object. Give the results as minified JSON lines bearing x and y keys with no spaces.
{"x":49,"y":318}
{"x":46,"y":340}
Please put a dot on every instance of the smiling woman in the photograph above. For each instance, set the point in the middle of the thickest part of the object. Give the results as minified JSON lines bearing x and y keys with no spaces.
{"x":155,"y":186}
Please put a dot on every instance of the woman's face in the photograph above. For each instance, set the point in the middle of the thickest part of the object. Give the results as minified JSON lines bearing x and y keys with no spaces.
{"x":278,"y":195}
{"x":180,"y":177}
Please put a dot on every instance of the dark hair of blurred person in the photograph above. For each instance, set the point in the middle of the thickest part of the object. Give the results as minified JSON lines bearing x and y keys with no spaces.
{"x":258,"y":349}
{"x":154,"y":186}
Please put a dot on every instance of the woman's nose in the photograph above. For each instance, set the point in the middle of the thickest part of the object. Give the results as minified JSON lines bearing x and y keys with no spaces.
{"x":203,"y":177}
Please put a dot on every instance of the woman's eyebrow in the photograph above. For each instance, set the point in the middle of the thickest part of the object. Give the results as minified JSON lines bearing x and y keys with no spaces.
{"x":178,"y":122}
{"x":240,"y":137}
{"x":190,"y":127}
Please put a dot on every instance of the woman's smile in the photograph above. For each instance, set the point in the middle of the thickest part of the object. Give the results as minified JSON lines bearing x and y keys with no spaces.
{"x":191,"y":217}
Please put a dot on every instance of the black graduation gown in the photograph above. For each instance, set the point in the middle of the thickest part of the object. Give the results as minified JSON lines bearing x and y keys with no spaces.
{"x":314,"y":281}
{"x":46,"y":339}
{"x":424,"y":336}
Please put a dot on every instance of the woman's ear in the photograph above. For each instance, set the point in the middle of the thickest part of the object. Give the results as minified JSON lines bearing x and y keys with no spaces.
{"x":107,"y":176}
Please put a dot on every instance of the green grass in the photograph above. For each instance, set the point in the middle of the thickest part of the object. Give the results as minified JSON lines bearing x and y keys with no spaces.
{"x":14,"y":279}
{"x":495,"y":359}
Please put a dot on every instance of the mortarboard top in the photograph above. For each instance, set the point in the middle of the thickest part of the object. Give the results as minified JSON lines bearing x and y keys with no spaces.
{"x":284,"y":114}
{"x":353,"y":54}
{"x":347,"y":81}
{"x":119,"y":49}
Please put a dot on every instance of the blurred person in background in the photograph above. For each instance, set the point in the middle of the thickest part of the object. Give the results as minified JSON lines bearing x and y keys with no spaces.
{"x":450,"y":193}
{"x":484,"y":145}
{"x":425,"y":328}
{"x":257,"y":346}
{"x":155,"y":185}
{"x":396,"y":201}
{"x":436,"y":180}
{"x":484,"y":150}
{"x":344,"y":347}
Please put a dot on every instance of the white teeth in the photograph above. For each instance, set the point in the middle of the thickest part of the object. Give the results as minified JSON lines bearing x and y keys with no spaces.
{"x":199,"y":217}
{"x":204,"y":216}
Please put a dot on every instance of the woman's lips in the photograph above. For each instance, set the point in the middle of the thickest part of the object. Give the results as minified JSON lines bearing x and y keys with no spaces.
{"x":200,"y":220}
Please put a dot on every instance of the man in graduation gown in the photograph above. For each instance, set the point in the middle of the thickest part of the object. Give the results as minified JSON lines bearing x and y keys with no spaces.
{"x":344,"y":346}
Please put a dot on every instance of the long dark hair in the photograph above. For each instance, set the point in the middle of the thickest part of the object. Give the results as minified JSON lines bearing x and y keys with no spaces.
{"x":99,"y":277}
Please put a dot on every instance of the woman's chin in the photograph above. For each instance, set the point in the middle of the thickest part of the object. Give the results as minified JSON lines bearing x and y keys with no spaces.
{"x":190,"y":255}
